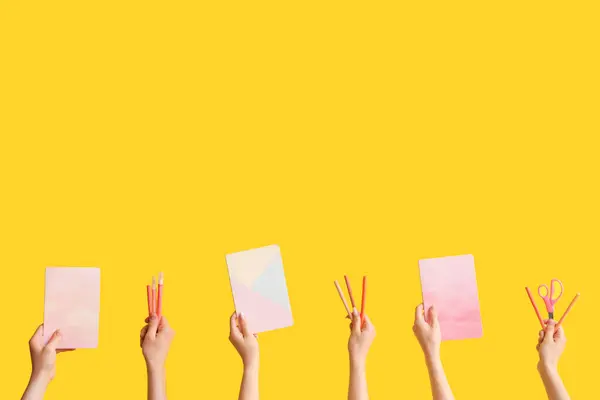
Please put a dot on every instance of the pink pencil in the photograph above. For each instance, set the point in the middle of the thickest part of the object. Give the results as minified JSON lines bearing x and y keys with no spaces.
{"x":567,"y":311}
{"x":364,"y":299}
{"x":339,"y":289}
{"x":537,"y":312}
{"x":149,"y":295}
{"x":153,"y":295}
{"x":159,"y":300}
{"x":349,"y":291}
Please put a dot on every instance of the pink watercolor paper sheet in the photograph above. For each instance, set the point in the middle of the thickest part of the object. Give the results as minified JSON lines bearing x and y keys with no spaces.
{"x":259,"y":288}
{"x":450,"y":284}
{"x":72,"y":304}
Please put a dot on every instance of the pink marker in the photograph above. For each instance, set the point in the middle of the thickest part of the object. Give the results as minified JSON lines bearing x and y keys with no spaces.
{"x":153,"y":295}
{"x":159,"y":299}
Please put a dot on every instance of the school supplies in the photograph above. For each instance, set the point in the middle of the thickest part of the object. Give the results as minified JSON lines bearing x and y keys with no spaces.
{"x":450,"y":284}
{"x":339,"y":289}
{"x":363,"y":297}
{"x":72,"y":304}
{"x":567,"y":310}
{"x":548,"y":298}
{"x":159,"y":299}
{"x":550,"y":301}
{"x":150,"y":301}
{"x":349,"y":291}
{"x":259,"y":288}
{"x":537,"y":312}
{"x":154,"y":296}
{"x":363,"y":301}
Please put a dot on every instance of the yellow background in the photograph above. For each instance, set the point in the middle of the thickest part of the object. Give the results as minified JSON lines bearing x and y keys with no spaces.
{"x":141,"y":136}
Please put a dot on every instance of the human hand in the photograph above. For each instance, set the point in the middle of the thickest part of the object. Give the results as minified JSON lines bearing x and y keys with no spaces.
{"x":428,"y":331}
{"x":551,"y":344}
{"x":43,"y":356}
{"x":243,"y":340}
{"x":155,"y":341}
{"x":361,"y":337}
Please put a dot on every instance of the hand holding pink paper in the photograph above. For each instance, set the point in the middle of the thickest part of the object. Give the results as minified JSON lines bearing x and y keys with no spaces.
{"x":427,"y":331}
{"x":43,"y":363}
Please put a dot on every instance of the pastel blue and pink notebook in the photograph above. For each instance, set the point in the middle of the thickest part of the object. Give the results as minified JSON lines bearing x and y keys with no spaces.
{"x":259,"y":288}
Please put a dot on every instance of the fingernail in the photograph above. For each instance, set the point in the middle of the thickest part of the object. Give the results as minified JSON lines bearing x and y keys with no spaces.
{"x":242,"y":316}
{"x":354,"y":311}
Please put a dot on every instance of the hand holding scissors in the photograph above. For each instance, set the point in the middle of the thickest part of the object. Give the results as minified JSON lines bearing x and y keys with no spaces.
{"x":548,"y":297}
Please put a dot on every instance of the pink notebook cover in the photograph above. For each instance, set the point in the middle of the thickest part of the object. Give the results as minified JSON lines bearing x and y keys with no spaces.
{"x":450,"y":284}
{"x":72,"y":304}
{"x":259,"y":288}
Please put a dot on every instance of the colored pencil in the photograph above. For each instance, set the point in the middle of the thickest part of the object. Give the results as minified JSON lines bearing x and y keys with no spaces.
{"x":153,"y":295}
{"x":339,"y":290}
{"x":567,"y":311}
{"x":537,"y":312}
{"x":159,"y":300}
{"x":364,"y":299}
{"x":149,"y":295}
{"x":350,"y":292}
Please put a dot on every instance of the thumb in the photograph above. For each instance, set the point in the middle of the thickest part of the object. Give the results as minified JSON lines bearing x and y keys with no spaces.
{"x":368,"y":324}
{"x":152,"y":327}
{"x":560,"y":333}
{"x":244,"y":325}
{"x":39,"y":332}
{"x":356,"y":322}
{"x":549,"y":332}
{"x":433,"y":316}
{"x":163,"y":324}
{"x":54,"y":341}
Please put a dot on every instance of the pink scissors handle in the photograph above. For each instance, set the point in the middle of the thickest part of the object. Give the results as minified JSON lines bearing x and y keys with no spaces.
{"x":548,"y":298}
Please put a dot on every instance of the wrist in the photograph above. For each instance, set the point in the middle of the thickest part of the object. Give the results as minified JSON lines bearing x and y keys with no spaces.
{"x":433,"y":358}
{"x":547,"y":368}
{"x":358,"y":362}
{"x":251,"y":364}
{"x":155,"y":368}
{"x":41,"y":378}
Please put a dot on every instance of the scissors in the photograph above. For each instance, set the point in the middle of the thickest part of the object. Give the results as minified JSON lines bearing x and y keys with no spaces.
{"x":548,"y":297}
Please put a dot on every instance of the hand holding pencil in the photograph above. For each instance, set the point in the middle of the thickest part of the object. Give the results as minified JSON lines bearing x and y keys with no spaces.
{"x":361,"y":338}
{"x":551,"y":344}
{"x":155,"y":341}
